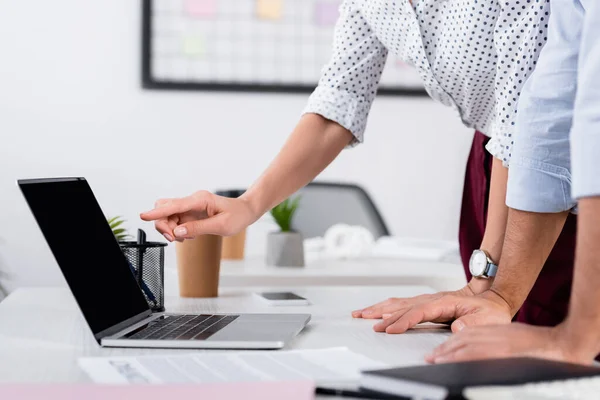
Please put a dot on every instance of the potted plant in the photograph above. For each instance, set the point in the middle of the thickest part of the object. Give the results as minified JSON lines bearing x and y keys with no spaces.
{"x":286,"y":247}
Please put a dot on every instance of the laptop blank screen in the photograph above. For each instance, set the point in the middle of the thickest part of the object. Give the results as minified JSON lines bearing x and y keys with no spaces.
{"x":86,"y":251}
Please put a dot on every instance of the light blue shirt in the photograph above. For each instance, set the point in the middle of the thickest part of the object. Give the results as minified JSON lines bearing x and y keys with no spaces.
{"x":556,"y":154}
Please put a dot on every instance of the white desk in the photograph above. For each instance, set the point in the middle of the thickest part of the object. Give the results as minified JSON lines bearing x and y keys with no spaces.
{"x":42,"y":332}
{"x":364,"y":272}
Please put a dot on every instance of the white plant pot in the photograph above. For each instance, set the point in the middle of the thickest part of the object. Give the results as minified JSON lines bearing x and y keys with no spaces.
{"x":285,"y":249}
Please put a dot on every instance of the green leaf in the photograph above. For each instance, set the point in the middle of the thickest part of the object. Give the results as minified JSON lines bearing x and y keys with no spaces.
{"x":284,"y":212}
{"x":116,"y":224}
{"x":294,"y":205}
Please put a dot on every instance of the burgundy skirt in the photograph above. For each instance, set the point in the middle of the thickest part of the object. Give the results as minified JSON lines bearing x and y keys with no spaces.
{"x":548,"y":301}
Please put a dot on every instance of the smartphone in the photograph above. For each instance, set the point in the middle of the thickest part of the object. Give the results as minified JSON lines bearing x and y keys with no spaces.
{"x":283,"y":299}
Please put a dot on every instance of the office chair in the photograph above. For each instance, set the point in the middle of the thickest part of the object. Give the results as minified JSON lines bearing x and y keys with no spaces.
{"x":326,"y":204}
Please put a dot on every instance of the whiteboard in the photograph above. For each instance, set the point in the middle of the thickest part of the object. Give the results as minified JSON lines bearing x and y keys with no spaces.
{"x":259,"y":45}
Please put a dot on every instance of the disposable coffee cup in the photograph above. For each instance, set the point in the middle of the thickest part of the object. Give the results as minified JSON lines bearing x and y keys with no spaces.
{"x":198,"y":265}
{"x":233,"y":246}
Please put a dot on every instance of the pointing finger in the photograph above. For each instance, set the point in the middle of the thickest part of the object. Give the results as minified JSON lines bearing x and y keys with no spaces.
{"x":169,"y":208}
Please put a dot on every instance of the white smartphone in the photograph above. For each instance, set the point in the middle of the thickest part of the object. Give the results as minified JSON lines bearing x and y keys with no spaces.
{"x":283,"y":299}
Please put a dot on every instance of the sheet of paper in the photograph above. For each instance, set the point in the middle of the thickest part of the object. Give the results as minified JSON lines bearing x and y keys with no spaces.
{"x":336,"y":365}
{"x":301,"y":390}
{"x":269,"y":9}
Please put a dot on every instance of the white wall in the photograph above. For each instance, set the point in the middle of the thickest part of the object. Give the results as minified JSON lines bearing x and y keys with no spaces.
{"x":71,"y":104}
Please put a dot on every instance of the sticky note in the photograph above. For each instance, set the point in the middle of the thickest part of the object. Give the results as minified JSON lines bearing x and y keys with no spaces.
{"x":269,"y":9}
{"x":326,"y":13}
{"x":200,"y":8}
{"x":193,"y":46}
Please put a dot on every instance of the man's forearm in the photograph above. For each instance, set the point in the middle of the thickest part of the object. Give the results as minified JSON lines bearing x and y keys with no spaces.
{"x":529,"y":240}
{"x":313,"y":145}
{"x":582,"y":326}
{"x":583,"y":321}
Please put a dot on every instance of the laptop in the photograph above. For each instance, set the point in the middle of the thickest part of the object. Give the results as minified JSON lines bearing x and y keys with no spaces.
{"x":107,"y":293}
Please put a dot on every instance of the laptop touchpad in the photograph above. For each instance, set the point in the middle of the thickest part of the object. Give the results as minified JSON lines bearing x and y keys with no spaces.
{"x":247,"y":328}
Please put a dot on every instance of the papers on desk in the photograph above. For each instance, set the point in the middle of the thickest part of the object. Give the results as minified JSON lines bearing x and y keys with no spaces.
{"x":328,"y":366}
{"x":259,"y":390}
{"x":350,"y":242}
{"x":416,"y":249}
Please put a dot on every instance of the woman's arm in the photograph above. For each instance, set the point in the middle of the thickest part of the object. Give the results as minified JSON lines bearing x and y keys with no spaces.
{"x":311,"y":147}
{"x":336,"y":114}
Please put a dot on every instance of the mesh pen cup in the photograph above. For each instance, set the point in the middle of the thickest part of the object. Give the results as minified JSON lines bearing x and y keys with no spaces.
{"x":147,"y":263}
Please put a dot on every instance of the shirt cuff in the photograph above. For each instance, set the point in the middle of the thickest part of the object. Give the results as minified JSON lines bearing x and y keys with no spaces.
{"x":495,"y":147}
{"x":500,"y":143}
{"x":536,"y":186}
{"x":585,"y":160}
{"x":350,"y":111}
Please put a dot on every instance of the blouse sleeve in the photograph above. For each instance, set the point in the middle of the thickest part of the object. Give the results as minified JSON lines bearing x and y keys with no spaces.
{"x":349,"y":81}
{"x":519,"y":36}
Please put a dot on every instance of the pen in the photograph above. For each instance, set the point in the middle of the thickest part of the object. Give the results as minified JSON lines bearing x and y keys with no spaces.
{"x":356,"y":394}
{"x":141,"y":240}
{"x":143,"y":285}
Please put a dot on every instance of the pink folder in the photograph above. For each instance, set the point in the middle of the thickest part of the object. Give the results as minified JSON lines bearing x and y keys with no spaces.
{"x":299,"y":390}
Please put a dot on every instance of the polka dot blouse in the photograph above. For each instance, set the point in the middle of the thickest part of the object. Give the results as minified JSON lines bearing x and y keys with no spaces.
{"x":473,"y":55}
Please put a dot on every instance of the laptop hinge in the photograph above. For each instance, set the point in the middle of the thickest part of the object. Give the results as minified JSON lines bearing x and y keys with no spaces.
{"x":122,"y":325}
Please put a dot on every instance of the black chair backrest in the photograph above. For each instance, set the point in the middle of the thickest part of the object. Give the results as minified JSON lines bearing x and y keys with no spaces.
{"x":325,"y":204}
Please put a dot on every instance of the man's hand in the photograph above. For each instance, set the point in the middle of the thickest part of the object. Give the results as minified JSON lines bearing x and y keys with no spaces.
{"x":514,"y":340}
{"x":386,"y":308}
{"x":200,"y":214}
{"x":486,"y":308}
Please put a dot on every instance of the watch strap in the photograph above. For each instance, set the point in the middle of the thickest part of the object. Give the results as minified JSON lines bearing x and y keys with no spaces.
{"x":491,"y":270}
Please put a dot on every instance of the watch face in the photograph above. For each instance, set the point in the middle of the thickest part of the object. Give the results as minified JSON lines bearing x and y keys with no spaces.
{"x":478,"y":263}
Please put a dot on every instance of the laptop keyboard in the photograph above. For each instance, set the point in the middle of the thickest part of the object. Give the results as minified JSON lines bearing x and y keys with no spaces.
{"x":184,"y":327}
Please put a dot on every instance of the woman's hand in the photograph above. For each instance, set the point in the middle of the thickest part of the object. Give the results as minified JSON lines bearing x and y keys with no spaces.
{"x":392,"y":305}
{"x":200,"y":214}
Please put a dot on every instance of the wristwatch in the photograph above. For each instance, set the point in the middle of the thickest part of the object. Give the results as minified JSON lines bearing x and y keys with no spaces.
{"x":481,"y":265}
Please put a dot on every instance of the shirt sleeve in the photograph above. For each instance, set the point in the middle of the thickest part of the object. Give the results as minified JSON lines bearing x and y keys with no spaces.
{"x":585,"y":134}
{"x":518,"y":40}
{"x":349,"y":81}
{"x":539,"y":178}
